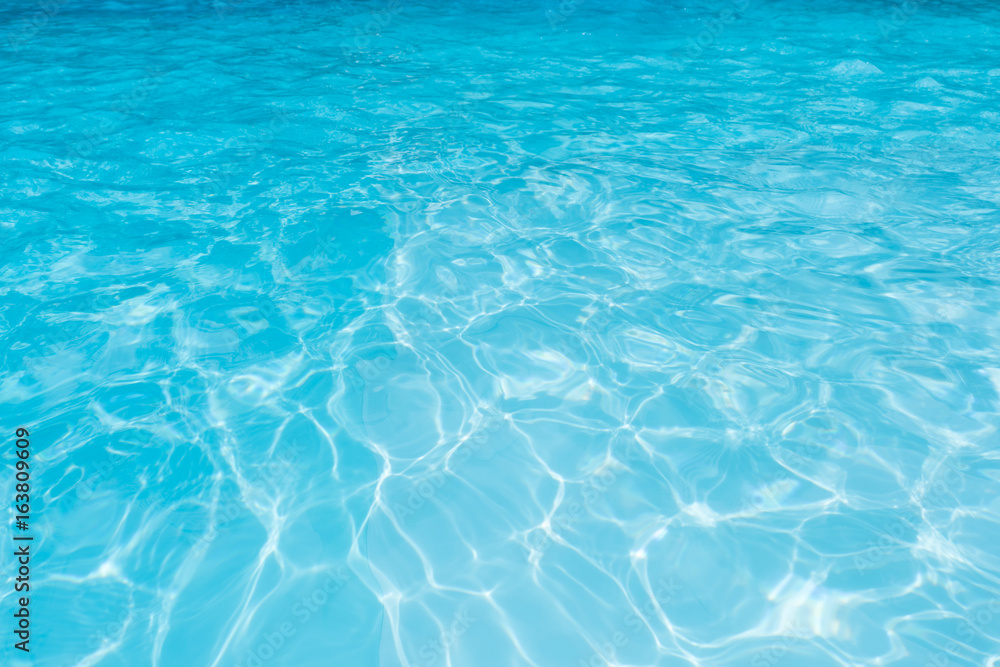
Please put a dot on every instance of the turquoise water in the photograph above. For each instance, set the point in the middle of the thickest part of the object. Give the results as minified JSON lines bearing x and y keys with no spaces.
{"x":495,"y":334}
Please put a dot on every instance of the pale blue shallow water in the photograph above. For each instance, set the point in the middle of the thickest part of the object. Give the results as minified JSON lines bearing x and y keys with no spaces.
{"x":499,"y":334}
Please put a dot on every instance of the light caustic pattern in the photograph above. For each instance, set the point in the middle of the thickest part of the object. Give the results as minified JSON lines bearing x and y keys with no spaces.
{"x":505,"y":334}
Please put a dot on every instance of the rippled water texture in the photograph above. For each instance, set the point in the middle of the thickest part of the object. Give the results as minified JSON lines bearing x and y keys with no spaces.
{"x":494,"y":334}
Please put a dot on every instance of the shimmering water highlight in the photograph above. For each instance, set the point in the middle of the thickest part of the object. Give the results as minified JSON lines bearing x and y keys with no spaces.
{"x":502,"y":334}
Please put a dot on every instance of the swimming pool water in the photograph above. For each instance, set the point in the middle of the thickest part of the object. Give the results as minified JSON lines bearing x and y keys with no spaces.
{"x":495,"y":334}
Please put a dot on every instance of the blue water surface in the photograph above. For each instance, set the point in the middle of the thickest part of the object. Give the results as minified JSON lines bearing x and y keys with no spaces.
{"x":495,"y":334}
